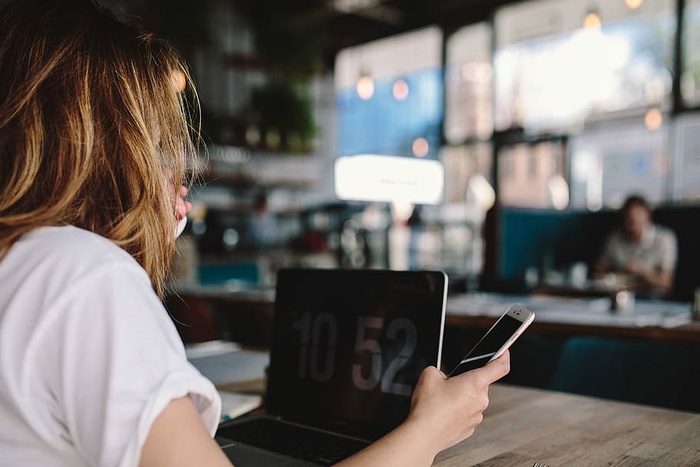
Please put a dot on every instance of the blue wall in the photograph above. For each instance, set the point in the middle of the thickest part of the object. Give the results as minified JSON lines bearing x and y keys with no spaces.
{"x":385,"y":125}
{"x":528,"y":236}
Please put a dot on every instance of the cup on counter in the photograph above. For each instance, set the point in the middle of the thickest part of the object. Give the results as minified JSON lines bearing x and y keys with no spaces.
{"x":610,"y":281}
{"x":532,"y":277}
{"x":578,"y":274}
{"x":622,"y":301}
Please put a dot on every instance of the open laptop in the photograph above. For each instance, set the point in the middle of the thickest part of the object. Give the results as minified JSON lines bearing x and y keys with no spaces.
{"x":347,"y":349}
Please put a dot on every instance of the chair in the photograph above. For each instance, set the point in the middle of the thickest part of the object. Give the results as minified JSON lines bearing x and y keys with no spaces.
{"x":654,"y":373}
{"x":533,"y":360}
{"x":245,"y":273}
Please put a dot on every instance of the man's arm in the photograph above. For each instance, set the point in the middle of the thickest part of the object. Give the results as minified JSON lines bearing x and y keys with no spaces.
{"x":661,"y":277}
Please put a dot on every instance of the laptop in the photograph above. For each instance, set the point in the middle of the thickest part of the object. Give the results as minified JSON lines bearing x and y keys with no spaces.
{"x":347,"y":348}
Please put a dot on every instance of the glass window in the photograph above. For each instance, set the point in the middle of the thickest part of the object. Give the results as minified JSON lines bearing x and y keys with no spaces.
{"x":389,"y":96}
{"x":463,"y":166}
{"x":533,"y":175}
{"x":687,"y":151}
{"x":615,"y":160}
{"x":552,"y":73}
{"x":468,"y":195}
{"x":690,"y":80}
{"x":468,"y":84}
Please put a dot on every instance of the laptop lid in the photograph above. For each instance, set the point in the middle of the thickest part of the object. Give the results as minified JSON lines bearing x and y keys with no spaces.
{"x":348,"y":346}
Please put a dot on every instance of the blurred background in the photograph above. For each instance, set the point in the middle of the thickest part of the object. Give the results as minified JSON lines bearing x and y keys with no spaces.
{"x":495,"y":140}
{"x":511,"y":130}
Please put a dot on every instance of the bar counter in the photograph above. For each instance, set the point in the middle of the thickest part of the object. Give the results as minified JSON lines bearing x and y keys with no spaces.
{"x":564,"y":317}
{"x":246,"y":315}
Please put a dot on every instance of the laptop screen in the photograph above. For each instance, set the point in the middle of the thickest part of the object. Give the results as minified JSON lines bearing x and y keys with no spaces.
{"x":349,"y":345}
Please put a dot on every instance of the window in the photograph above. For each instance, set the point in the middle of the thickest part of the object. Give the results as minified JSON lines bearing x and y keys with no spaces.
{"x":464,"y":165}
{"x":690,"y":79}
{"x":390,"y":96}
{"x":533,"y":175}
{"x":552,"y":74}
{"x":468,"y":85}
{"x":687,"y":150}
{"x":468,"y":195}
{"x":615,"y":160}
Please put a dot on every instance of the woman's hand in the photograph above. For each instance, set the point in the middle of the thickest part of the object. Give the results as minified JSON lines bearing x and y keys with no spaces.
{"x":450,"y":409}
{"x":444,"y":411}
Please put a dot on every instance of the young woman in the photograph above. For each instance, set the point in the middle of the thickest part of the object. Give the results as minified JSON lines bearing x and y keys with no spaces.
{"x":94,"y":151}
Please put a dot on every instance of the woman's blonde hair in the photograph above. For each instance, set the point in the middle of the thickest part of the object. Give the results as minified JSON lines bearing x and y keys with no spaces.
{"x":94,"y":128}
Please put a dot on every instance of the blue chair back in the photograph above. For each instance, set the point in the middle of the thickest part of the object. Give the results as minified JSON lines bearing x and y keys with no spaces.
{"x":654,"y":373}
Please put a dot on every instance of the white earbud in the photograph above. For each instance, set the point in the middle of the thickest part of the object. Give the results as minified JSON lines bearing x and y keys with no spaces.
{"x":180,"y":226}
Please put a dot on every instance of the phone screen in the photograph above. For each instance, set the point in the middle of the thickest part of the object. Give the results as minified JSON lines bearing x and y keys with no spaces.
{"x":487,"y":347}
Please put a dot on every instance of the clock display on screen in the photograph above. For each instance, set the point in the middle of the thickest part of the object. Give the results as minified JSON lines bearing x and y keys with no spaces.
{"x":350,"y":345}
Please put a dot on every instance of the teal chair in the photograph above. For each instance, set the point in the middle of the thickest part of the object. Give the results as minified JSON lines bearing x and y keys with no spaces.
{"x":653,"y":373}
{"x":244,"y":273}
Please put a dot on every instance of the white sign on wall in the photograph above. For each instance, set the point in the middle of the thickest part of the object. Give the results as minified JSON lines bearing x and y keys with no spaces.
{"x":370,"y":177}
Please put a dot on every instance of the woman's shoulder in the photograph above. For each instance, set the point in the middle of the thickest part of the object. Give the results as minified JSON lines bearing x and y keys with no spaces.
{"x":74,"y":241}
{"x":48,"y":269}
{"x":75,"y":251}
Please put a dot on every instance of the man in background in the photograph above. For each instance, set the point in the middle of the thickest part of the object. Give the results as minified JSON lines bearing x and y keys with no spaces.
{"x":262,"y":229}
{"x":640,"y":253}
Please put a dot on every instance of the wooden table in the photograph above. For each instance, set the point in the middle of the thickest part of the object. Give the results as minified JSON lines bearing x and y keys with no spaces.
{"x":523,"y":426}
{"x":245,"y":316}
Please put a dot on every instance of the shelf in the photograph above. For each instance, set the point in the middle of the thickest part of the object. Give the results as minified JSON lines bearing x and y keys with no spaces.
{"x":249,"y":62}
{"x":245,"y":183}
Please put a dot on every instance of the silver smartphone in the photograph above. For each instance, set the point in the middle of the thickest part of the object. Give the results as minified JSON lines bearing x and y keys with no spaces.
{"x":502,"y":334}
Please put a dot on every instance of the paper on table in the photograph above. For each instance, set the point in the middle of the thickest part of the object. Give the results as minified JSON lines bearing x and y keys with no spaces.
{"x":594,"y":311}
{"x":205,"y":349}
{"x":235,"y":404}
{"x":233,"y":366}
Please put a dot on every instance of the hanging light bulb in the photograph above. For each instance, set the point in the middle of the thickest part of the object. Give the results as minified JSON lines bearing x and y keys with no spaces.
{"x":480,"y":192}
{"x":653,"y":119}
{"x":420,"y":147}
{"x":558,"y":190}
{"x":592,"y":20}
{"x":633,"y":4}
{"x":400,"y":89}
{"x":365,"y":87}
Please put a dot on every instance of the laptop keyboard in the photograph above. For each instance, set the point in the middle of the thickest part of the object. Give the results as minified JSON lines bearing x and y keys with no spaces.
{"x":292,"y":440}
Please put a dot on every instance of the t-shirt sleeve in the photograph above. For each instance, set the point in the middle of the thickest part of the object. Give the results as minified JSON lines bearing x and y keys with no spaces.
{"x":120,"y":361}
{"x":669,"y":251}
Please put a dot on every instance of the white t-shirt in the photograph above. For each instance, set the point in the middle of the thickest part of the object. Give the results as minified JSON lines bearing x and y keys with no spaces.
{"x":88,"y":355}
{"x":657,"y":249}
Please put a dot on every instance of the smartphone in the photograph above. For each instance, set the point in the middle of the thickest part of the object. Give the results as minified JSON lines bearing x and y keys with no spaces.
{"x":502,"y":334}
